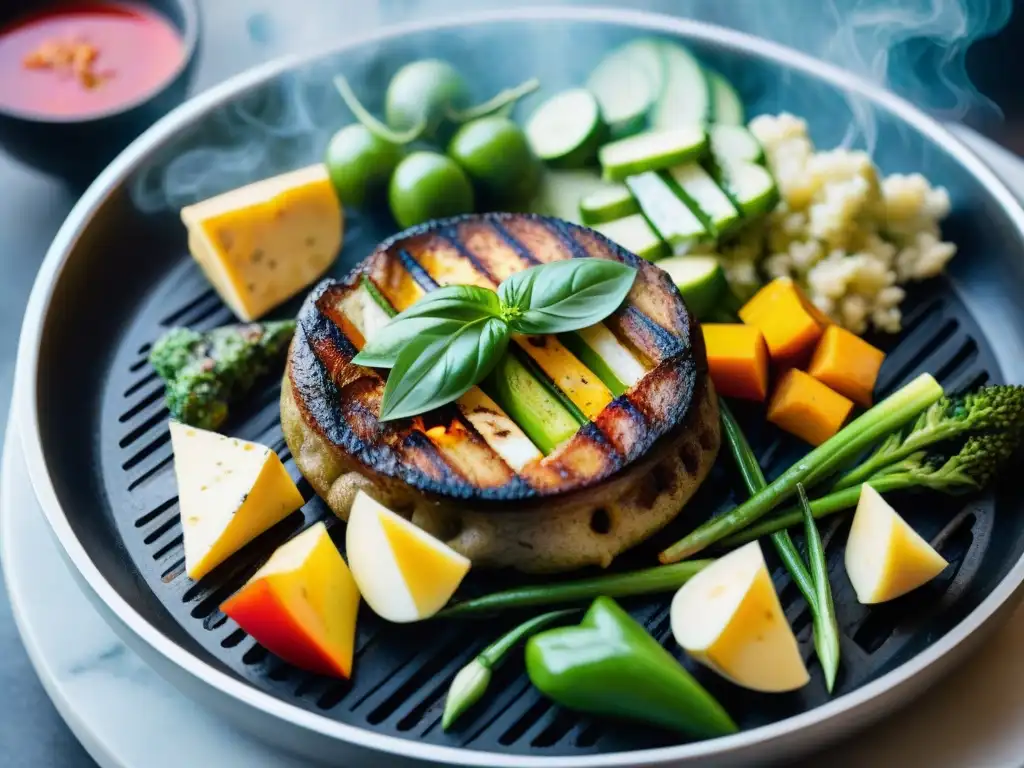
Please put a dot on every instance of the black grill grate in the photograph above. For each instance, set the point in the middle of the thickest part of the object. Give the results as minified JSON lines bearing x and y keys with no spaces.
{"x":401,"y":677}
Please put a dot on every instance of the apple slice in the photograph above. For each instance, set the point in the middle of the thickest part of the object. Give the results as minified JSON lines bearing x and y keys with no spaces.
{"x":302,"y":605}
{"x":729,"y":618}
{"x":403,"y":572}
{"x":885,"y":557}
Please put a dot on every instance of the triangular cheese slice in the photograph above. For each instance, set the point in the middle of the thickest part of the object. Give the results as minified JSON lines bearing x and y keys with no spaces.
{"x":431,"y":569}
{"x":885,"y":557}
{"x":229,"y":492}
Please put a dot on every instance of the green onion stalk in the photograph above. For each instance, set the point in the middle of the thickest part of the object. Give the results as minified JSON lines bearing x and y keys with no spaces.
{"x":828,"y":458}
{"x":471,"y":682}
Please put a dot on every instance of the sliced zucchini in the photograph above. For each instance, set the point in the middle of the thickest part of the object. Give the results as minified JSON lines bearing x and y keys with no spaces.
{"x":636,"y":235}
{"x":673,"y":220}
{"x":566,"y":130}
{"x":751,"y":186}
{"x":627,"y":83}
{"x":700,"y":279}
{"x":531,"y":403}
{"x":613,"y":201}
{"x":734,"y":143}
{"x":686,"y":97}
{"x":700,"y":190}
{"x":561,"y":191}
{"x":726,"y":103}
{"x":652,"y":151}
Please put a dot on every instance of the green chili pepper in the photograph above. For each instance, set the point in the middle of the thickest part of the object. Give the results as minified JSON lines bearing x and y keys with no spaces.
{"x":471,"y":682}
{"x":610,"y":666}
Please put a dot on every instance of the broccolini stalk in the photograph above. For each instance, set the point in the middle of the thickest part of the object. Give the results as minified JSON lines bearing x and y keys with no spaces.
{"x":205,"y":372}
{"x":990,"y":409}
{"x":470,"y":683}
{"x":971,"y":468}
{"x":845,"y":446}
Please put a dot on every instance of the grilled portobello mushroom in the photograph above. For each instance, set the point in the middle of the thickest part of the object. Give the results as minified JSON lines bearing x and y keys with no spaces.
{"x":550,"y":464}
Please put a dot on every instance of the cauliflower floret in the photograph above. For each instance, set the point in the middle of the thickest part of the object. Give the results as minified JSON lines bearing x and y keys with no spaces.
{"x":912,"y":204}
{"x":848,"y":237}
{"x":926,"y":256}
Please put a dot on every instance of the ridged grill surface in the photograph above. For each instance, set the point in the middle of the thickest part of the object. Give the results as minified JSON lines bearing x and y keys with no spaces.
{"x":401,"y":674}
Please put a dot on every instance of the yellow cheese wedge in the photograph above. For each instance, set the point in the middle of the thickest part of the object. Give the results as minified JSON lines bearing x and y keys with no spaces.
{"x":261,"y":244}
{"x":885,"y":557}
{"x":403,"y":573}
{"x":302,"y":604}
{"x":729,"y":618}
{"x":229,"y":492}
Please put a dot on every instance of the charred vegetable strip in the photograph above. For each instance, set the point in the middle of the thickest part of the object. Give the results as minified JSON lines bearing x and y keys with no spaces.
{"x":205,"y":372}
{"x":650,"y":581}
{"x":889,"y":415}
{"x":826,"y":627}
{"x":470,"y":683}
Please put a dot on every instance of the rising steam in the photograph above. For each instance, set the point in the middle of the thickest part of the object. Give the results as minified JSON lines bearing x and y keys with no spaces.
{"x":917,"y":48}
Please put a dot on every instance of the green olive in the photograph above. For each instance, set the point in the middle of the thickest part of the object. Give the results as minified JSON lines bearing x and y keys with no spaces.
{"x":360,"y":164}
{"x":496,"y":155}
{"x":428,"y":185}
{"x":424,"y":91}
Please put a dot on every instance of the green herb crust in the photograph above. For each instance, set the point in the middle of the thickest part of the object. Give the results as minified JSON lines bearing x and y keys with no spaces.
{"x":205,"y":372}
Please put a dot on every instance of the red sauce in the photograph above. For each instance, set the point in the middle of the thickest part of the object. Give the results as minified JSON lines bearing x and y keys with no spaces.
{"x":82,"y":58}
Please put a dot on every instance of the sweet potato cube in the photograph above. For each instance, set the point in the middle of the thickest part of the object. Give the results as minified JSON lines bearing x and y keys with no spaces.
{"x":737,"y":360}
{"x":302,"y":605}
{"x":791,"y":324}
{"x":805,"y":407}
{"x":847,"y":364}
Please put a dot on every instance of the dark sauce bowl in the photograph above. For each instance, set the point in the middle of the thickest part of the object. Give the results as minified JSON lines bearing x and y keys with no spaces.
{"x":76,"y":148}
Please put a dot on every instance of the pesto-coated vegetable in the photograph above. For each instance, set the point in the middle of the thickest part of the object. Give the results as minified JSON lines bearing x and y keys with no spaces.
{"x":205,"y":372}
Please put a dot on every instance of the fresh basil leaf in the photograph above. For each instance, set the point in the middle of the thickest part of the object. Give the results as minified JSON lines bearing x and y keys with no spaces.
{"x":565,"y":295}
{"x":455,"y":302}
{"x":432,"y":371}
{"x":383,"y":349}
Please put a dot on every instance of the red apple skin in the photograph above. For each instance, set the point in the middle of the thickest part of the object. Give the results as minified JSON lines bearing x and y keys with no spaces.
{"x":257,"y":610}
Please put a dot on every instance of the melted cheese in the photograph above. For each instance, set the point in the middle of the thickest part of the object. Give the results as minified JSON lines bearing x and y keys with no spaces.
{"x":261,"y":244}
{"x":229,"y":492}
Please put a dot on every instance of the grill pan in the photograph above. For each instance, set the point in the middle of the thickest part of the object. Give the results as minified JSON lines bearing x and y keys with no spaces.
{"x":94,"y":428}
